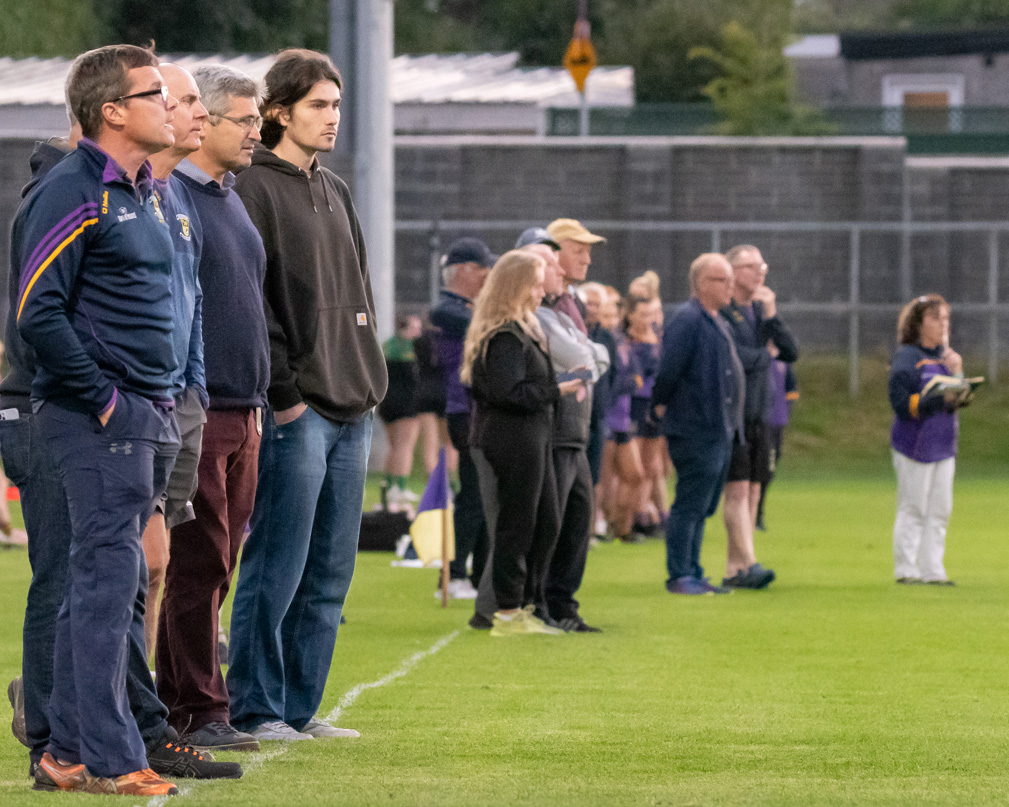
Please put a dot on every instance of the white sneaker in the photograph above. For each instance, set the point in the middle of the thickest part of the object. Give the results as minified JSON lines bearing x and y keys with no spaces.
{"x":278,"y":730}
{"x":458,"y":590}
{"x":323,"y":730}
{"x":414,"y":563}
{"x":222,"y":644}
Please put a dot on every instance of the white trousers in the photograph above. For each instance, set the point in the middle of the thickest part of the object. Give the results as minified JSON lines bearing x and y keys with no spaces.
{"x":924,"y":505}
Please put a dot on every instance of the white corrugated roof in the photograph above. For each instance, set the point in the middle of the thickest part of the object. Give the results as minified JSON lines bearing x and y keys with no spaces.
{"x":815,"y":46}
{"x":453,"y":78}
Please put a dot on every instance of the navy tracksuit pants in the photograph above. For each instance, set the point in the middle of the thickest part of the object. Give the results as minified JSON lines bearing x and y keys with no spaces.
{"x":113,"y":477}
{"x":28,"y":461}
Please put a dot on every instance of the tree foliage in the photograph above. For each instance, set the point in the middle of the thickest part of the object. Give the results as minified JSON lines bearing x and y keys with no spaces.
{"x":950,"y":13}
{"x":653,"y":36}
{"x":833,"y":16}
{"x":754,"y":91}
{"x":228,"y":26}
{"x":47,"y":27}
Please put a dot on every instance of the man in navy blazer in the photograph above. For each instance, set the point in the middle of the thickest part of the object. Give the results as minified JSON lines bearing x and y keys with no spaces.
{"x":699,"y":395}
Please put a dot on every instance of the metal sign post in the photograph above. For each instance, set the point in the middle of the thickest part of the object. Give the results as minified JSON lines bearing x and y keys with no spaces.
{"x":579,"y":60}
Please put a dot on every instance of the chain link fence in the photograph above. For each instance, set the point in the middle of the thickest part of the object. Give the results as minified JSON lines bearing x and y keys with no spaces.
{"x":859,"y":304}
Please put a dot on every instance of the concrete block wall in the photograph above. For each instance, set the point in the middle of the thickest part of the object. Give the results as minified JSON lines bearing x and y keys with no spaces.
{"x":489,"y":180}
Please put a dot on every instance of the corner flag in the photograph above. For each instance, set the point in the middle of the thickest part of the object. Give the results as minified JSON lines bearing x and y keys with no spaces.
{"x":433,"y":531}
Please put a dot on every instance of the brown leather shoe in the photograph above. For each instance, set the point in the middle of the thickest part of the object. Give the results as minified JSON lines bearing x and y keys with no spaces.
{"x":53,"y":775}
{"x":138,"y":783}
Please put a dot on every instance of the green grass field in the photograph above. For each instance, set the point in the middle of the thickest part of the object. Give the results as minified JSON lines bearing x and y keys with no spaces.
{"x":834,"y":687}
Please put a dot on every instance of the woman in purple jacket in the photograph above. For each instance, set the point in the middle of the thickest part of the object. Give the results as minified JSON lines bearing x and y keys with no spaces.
{"x":924,"y":440}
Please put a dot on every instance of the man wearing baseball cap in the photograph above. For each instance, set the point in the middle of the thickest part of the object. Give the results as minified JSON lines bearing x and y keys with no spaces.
{"x":575,"y":255}
{"x":536,"y":235}
{"x":464,"y":270}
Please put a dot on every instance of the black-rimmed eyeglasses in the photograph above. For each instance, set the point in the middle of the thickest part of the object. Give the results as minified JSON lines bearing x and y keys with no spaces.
{"x":162,"y":91}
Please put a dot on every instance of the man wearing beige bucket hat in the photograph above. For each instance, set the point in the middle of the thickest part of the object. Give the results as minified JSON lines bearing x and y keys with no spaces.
{"x":575,"y":255}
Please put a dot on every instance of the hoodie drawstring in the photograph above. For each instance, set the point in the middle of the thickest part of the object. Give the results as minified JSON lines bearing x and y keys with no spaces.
{"x":308,"y":179}
{"x":325,"y":195}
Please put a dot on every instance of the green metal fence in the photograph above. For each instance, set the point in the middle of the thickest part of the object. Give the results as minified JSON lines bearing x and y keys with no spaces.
{"x":963,"y":130}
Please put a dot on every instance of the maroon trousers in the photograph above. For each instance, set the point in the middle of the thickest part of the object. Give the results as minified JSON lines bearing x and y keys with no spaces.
{"x":203,"y":556}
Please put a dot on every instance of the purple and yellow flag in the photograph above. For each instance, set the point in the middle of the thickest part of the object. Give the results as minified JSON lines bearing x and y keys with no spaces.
{"x":434,"y":517}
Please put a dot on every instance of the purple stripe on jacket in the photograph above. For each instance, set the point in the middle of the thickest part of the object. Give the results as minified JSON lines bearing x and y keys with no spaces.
{"x":56,"y":235}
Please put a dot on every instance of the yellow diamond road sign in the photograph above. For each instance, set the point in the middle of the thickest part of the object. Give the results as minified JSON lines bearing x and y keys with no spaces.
{"x":579,"y":60}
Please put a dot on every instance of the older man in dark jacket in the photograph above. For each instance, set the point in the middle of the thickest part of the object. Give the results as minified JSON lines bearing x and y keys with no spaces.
{"x":699,"y":394}
{"x":752,"y":316}
{"x":467,"y":263}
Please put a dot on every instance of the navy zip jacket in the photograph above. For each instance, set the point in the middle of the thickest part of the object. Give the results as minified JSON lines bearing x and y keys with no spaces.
{"x":187,"y":296}
{"x":16,"y":387}
{"x":95,"y":299}
{"x":604,"y":386}
{"x":451,"y":317}
{"x":696,"y":383}
{"x":751,"y":338}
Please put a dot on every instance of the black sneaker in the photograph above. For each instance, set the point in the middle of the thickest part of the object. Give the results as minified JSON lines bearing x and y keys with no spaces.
{"x":759,"y":576}
{"x":480,"y":622}
{"x":542,"y":615}
{"x":575,"y":624}
{"x":218,"y":735}
{"x":16,"y":695}
{"x":704,"y":581}
{"x":738,"y":580}
{"x":180,"y":761}
{"x":756,"y":578}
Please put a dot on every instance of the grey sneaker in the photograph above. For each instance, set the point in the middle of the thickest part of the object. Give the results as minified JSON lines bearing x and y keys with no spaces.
{"x":323,"y":730}
{"x":278,"y":730}
{"x":219,"y":735}
{"x":16,"y":695}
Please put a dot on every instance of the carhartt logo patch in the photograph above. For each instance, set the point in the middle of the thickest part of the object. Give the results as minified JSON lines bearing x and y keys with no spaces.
{"x":121,"y":448}
{"x":184,"y":223}
{"x":362,"y":319}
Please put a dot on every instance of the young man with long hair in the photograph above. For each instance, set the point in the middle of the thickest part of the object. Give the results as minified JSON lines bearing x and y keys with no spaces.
{"x":327,"y":374}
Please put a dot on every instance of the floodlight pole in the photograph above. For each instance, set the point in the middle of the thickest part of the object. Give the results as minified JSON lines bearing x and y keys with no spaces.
{"x":583,"y":114}
{"x":361,"y":46}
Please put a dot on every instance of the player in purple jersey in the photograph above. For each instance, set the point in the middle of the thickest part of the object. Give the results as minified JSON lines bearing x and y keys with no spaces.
{"x":924,"y":441}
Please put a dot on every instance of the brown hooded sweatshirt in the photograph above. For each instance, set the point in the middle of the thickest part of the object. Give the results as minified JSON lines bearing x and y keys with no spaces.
{"x":324,"y":347}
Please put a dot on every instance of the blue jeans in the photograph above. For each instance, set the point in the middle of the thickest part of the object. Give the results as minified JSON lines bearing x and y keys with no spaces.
{"x":113,"y":477}
{"x":29,"y":465}
{"x":296,"y":567}
{"x":701,"y":468}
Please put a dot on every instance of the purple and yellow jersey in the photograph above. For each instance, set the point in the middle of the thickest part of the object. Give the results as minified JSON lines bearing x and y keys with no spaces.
{"x":95,"y":298}
{"x":922,"y":430}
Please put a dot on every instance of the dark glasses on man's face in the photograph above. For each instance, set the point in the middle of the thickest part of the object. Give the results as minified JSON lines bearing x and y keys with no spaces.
{"x":162,"y":91}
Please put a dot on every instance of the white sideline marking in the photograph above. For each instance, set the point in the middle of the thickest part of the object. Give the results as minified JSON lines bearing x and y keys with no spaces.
{"x":349,"y":697}
{"x":259,"y":759}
